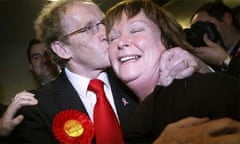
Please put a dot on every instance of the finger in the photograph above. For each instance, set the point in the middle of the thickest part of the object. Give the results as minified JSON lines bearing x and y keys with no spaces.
{"x":166,"y":58}
{"x":17,"y":120}
{"x":178,"y":68}
{"x":13,"y":108}
{"x":23,"y":94}
{"x":208,"y":41}
{"x":184,"y":69}
{"x":186,"y":73}
{"x":165,"y":80}
{"x":19,"y":103}
{"x":10,"y":124}
{"x":227,"y":139}
{"x":190,"y":121}
{"x":184,"y":57}
{"x":222,"y":125}
{"x":202,"y":53}
{"x":190,"y":59}
{"x":24,"y":98}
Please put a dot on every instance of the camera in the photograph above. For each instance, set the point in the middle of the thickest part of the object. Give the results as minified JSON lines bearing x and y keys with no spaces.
{"x":195,"y":34}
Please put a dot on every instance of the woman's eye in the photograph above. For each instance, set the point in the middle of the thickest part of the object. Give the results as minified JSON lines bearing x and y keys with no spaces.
{"x":136,"y":30}
{"x":112,"y":38}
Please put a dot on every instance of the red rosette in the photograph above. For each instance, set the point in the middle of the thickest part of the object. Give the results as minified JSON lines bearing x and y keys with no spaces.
{"x":73,"y":127}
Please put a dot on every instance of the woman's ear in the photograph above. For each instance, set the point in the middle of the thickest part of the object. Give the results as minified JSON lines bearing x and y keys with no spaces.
{"x":62,"y":51}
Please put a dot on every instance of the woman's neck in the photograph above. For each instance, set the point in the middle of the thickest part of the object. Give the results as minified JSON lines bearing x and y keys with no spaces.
{"x":144,"y":87}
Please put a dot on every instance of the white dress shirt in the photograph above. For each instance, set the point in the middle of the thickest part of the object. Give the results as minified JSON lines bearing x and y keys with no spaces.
{"x":88,"y":98}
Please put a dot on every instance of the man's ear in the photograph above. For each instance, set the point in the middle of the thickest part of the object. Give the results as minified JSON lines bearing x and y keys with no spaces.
{"x":228,"y":18}
{"x":30,"y":67}
{"x":61,"y":50}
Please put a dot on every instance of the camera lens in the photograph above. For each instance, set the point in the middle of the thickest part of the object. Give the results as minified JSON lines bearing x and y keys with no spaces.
{"x":195,"y":33}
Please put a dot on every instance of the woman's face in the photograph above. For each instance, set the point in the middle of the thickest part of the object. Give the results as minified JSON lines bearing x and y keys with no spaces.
{"x":135,"y":48}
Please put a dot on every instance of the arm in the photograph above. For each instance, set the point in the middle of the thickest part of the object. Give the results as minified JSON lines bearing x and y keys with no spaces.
{"x":212,"y":53}
{"x":177,"y":63}
{"x":216,"y":55}
{"x":201,"y":131}
{"x":8,"y":121}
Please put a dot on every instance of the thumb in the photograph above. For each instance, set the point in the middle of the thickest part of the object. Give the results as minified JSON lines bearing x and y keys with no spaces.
{"x":17,"y":120}
{"x":208,"y":42}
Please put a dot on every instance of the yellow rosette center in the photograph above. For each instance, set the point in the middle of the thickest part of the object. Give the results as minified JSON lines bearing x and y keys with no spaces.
{"x":73,"y":128}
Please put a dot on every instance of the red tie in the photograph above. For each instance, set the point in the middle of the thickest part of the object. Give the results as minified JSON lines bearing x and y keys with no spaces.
{"x":107,"y":128}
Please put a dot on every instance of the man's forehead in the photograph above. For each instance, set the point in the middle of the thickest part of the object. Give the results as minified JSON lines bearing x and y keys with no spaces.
{"x":37,"y":51}
{"x":201,"y":16}
{"x":82,"y":5}
{"x":80,"y":10}
{"x":79,"y":14}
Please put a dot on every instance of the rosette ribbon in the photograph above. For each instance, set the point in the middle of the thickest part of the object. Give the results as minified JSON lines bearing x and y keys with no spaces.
{"x":73,"y":127}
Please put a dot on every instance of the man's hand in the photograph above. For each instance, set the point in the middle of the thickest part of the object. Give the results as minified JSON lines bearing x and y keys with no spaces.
{"x":212,"y":53}
{"x":177,"y":63}
{"x":202,"y":131}
{"x":8,"y":122}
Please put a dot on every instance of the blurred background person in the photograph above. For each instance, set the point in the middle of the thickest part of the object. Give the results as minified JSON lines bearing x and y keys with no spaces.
{"x":41,"y":65}
{"x":236,"y":11}
{"x":44,"y":69}
{"x":225,"y":58}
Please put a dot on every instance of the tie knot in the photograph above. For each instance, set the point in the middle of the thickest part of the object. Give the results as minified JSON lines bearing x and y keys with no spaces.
{"x":95,"y":85}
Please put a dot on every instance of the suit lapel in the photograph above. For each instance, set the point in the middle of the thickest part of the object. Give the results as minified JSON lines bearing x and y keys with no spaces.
{"x":58,"y":95}
{"x":66,"y":96}
{"x":125,"y":101}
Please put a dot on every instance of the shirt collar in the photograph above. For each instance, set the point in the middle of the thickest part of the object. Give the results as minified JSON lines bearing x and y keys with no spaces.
{"x":80,"y":83}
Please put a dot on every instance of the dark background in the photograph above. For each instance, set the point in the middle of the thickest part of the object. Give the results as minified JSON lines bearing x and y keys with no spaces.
{"x":16,"y":29}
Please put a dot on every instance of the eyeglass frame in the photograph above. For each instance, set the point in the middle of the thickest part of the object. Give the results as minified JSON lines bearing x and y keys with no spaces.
{"x":89,"y":28}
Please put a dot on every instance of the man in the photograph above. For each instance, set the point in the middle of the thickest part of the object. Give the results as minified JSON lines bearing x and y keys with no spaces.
{"x":41,"y":65}
{"x":227,"y":59}
{"x":84,"y":53}
{"x":43,"y":69}
{"x":236,"y":11}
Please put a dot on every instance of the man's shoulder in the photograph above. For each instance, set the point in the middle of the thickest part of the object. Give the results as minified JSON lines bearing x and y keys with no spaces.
{"x":60,"y":83}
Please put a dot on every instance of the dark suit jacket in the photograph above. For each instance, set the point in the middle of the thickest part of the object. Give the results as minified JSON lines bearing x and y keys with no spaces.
{"x":57,"y":96}
{"x":234,"y":66}
{"x":210,"y":95}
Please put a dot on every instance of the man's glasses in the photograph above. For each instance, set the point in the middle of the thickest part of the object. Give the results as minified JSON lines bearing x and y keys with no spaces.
{"x":91,"y":28}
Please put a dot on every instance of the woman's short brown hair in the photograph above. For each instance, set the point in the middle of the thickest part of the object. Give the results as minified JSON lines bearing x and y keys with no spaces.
{"x":172,"y":33}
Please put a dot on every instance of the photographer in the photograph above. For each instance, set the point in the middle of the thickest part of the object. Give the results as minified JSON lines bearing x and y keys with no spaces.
{"x":225,"y":58}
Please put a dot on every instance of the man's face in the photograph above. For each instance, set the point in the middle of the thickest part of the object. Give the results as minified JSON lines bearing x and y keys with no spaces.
{"x":88,"y":47}
{"x":41,"y":64}
{"x":221,"y":26}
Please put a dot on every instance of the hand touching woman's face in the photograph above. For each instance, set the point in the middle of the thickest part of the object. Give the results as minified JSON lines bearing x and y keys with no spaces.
{"x":135,"y":48}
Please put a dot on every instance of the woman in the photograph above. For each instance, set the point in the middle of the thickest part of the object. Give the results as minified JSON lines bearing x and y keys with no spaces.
{"x":139,"y":32}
